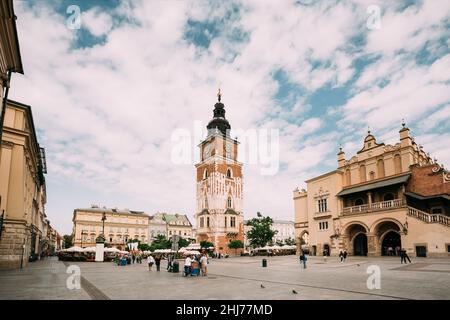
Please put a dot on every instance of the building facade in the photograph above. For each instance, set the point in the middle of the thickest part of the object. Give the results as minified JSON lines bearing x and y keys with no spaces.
{"x":219,"y":216}
{"x":22,"y":188}
{"x":385,"y":196}
{"x":157,"y":226}
{"x":120,"y":226}
{"x":285,"y":231}
{"x":179,"y":224}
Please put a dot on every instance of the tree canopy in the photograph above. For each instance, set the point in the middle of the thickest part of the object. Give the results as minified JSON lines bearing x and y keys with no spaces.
{"x":261,"y":232}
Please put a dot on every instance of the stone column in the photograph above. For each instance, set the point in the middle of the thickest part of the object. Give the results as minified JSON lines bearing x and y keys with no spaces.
{"x":372,"y":245}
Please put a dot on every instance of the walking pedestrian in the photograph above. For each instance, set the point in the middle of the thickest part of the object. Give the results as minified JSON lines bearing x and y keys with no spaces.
{"x":151,"y":262}
{"x":187,"y":266}
{"x":303,"y":259}
{"x":325,"y":255}
{"x":203,"y":264}
{"x":158,"y":262}
{"x":404,"y":256}
{"x":341,"y":256}
{"x":345,"y":255}
{"x":169,"y":262}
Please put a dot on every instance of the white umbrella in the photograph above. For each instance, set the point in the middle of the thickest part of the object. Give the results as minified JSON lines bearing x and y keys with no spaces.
{"x":276,"y":247}
{"x":182,"y":250}
{"x":192,"y":252}
{"x":112,"y":250}
{"x":88,"y":249}
{"x":74,"y":249}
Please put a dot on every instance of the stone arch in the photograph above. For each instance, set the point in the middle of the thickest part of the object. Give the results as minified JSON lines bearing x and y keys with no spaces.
{"x":352,"y":223}
{"x":379,"y":222}
{"x":381,"y":229}
{"x":350,"y":233}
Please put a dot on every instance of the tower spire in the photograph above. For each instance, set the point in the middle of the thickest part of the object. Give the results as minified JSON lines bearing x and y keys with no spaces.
{"x":219,"y":95}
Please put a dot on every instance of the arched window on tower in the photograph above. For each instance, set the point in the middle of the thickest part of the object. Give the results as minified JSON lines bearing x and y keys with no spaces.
{"x":229,"y":202}
{"x":229,"y":173}
{"x":205,"y":174}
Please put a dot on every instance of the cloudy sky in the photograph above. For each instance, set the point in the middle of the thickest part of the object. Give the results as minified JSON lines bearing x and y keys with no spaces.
{"x":108,"y":96}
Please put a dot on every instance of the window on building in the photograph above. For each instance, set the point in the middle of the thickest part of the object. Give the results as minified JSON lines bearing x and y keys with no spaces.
{"x":225,"y":222}
{"x":436,"y":211}
{"x":322,"y":205}
{"x":170,"y":232}
{"x":207,"y":222}
{"x":185,"y":233}
{"x":229,"y":202}
{"x":323,"y":225}
{"x":372,"y":175}
{"x":229,"y":175}
{"x":179,"y":233}
{"x":205,"y":174}
{"x":110,"y":239}
{"x":202,"y":222}
{"x":359,"y":202}
{"x":233,"y":222}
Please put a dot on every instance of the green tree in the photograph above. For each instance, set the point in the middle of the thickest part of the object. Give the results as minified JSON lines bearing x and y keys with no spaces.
{"x":67,"y":241}
{"x":236,"y":244}
{"x":183,"y":243}
{"x":161,"y":242}
{"x":289,"y":241}
{"x":261,"y":232}
{"x":205,"y":244}
{"x":144,"y":246}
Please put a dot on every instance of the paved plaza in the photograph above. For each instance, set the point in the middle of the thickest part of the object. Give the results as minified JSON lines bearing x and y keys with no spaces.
{"x":241,"y":278}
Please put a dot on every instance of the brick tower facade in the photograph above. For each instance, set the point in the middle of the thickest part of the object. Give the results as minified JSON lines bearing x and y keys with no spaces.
{"x":219,"y":214}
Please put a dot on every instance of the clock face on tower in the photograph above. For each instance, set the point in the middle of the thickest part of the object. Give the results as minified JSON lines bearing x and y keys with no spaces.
{"x":206,"y":150}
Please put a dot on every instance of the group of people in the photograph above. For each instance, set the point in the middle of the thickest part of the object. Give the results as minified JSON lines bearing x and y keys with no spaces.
{"x":193,"y":263}
{"x":390,"y":251}
{"x":154,"y":261}
{"x":130,"y":258}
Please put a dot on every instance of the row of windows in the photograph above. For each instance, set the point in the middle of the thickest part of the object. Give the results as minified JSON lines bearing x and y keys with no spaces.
{"x":229,"y":173}
{"x":380,"y":170}
{"x":232,"y":222}
{"x":323,"y":225}
{"x":111,"y":239}
{"x":229,"y":203}
{"x":179,"y":233}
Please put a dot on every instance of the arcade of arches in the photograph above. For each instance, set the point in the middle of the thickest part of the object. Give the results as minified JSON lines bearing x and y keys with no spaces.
{"x":381,"y":239}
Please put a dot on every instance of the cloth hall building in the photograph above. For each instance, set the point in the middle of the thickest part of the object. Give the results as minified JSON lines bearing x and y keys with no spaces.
{"x":385,"y":196}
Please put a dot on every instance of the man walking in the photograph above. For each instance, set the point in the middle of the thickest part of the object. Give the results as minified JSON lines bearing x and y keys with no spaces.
{"x":345,"y":255}
{"x":341,"y":256}
{"x":158,"y":262}
{"x":303,"y":259}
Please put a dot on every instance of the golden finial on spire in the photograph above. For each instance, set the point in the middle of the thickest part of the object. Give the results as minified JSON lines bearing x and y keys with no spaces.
{"x":219,"y":95}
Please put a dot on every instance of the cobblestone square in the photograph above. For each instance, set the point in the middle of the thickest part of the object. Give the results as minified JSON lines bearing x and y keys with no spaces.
{"x":240,"y":278}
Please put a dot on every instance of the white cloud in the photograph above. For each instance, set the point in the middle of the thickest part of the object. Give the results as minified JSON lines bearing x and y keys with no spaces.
{"x":107,"y":112}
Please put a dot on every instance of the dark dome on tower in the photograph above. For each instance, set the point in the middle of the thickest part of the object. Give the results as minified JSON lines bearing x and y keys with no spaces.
{"x":219,"y":122}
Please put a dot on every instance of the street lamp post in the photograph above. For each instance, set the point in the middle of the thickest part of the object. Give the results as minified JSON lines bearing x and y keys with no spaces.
{"x":103,"y":221}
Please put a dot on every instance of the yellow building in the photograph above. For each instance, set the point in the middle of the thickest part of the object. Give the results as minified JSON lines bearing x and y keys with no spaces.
{"x":22,"y":188}
{"x":385,"y":196}
{"x":179,"y":224}
{"x":120,"y":226}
